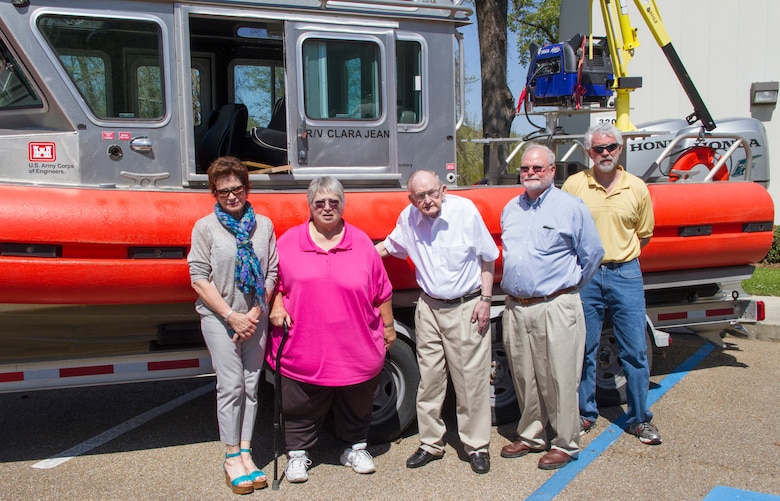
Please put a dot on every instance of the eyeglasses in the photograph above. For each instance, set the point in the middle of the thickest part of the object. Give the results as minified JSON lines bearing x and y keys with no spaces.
{"x":236,"y":190}
{"x":525,"y":169}
{"x":434,"y":194}
{"x":609,"y":147}
{"x":332,"y":203}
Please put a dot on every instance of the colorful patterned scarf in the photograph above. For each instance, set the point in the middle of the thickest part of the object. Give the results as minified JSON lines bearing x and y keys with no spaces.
{"x":249,"y":275}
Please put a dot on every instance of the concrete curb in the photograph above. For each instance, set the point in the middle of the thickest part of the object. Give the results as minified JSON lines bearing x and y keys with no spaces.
{"x":769,"y":329}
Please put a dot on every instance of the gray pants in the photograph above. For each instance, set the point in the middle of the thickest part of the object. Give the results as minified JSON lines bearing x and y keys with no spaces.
{"x":238,"y":367}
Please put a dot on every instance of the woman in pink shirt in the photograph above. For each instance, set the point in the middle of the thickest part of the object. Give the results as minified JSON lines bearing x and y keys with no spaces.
{"x":335,"y":295}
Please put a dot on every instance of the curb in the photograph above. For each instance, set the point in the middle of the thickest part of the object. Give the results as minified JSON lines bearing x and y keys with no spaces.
{"x":763,"y":332}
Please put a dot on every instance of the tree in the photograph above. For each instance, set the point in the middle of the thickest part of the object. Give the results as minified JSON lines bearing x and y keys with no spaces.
{"x":534,"y":21}
{"x":498,"y":108}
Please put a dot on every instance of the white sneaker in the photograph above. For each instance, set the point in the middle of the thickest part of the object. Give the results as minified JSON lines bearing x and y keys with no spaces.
{"x":358,"y":458}
{"x":297,"y":464}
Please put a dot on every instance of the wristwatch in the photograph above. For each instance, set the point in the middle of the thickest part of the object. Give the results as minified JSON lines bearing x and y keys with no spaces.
{"x":487,"y":299}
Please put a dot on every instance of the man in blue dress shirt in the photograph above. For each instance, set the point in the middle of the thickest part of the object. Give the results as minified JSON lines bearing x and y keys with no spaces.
{"x":551,"y":248}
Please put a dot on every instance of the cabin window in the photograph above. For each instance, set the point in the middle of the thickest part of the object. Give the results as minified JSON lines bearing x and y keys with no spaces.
{"x":114,"y":64}
{"x":341,"y":80}
{"x":409,"y":81}
{"x":15,"y":90}
{"x":258,"y":86}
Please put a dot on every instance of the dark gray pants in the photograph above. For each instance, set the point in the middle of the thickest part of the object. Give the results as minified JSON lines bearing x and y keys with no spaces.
{"x":305,"y":406}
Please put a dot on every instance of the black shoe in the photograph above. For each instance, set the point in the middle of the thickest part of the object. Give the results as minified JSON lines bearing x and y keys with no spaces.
{"x":420,"y":458}
{"x":480,"y":462}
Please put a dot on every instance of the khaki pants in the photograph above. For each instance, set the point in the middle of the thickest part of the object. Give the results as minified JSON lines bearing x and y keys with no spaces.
{"x":447,"y":341}
{"x":545,"y":344}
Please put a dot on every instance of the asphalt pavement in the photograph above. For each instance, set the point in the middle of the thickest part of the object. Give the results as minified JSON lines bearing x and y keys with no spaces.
{"x":716,"y":409}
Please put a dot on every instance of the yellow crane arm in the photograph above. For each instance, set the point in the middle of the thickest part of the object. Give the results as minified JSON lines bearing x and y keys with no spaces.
{"x":621,"y":49}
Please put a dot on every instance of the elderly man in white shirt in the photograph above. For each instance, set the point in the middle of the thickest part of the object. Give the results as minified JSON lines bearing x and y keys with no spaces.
{"x":454,"y":256}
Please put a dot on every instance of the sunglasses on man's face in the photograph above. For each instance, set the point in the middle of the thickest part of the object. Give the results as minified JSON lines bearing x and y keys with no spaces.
{"x":537,"y":169}
{"x":609,"y":147}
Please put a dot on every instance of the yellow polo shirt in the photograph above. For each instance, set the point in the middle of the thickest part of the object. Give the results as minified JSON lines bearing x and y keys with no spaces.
{"x":623,"y":217}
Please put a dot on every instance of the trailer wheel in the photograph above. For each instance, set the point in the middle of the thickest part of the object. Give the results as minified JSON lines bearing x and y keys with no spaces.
{"x":503,"y":400}
{"x":610,"y":377}
{"x":394,"y":400}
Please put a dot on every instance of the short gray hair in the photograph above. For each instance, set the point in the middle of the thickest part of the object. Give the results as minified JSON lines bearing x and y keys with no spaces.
{"x":325,"y":184}
{"x":537,"y":146}
{"x":605,"y":128}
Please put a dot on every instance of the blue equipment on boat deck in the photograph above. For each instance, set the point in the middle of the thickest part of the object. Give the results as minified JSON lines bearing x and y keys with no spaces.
{"x":563,"y":74}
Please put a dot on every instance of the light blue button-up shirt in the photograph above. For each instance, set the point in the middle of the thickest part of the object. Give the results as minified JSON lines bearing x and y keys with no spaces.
{"x":549,"y":244}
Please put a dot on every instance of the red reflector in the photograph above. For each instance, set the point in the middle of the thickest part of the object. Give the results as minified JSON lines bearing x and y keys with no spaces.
{"x":173,"y":364}
{"x":9,"y":377}
{"x":721,"y":312}
{"x":87,"y":371}
{"x":672,"y":316}
{"x":760,"y":311}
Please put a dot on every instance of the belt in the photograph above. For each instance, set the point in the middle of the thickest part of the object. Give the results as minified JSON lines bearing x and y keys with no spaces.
{"x":614,"y":264}
{"x":457,"y":300}
{"x":525,"y":301}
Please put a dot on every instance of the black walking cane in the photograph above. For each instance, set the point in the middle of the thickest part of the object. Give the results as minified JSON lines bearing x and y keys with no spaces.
{"x":278,"y":405}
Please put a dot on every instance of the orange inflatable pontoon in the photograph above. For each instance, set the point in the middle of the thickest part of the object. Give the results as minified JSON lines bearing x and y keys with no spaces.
{"x":99,"y":246}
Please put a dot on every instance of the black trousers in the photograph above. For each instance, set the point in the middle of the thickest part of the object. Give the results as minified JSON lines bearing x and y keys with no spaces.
{"x":305,"y":407}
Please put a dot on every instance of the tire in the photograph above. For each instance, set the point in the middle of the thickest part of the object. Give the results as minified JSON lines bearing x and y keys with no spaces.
{"x":394,"y":401}
{"x":503,"y":399}
{"x":610,"y":377}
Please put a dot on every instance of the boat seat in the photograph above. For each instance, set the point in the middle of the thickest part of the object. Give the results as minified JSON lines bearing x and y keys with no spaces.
{"x":407,"y":117}
{"x":225,"y":134}
{"x":272,"y":140}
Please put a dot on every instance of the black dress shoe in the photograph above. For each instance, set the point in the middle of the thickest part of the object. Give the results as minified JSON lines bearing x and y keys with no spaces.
{"x":480,"y":462}
{"x":420,"y":458}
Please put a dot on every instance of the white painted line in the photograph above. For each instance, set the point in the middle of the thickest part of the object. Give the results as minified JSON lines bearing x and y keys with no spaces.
{"x":116,"y":431}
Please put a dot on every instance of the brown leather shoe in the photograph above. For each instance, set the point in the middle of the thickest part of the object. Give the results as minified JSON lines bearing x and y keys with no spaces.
{"x":554,"y":459}
{"x":517,"y":449}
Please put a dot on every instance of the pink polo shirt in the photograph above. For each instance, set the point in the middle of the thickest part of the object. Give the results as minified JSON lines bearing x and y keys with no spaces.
{"x":333,"y":298}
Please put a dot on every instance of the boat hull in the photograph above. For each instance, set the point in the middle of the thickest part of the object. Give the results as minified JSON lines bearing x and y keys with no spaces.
{"x":100,"y":246}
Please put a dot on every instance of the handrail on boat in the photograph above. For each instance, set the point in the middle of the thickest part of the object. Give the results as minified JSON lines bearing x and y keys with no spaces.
{"x":413,"y":4}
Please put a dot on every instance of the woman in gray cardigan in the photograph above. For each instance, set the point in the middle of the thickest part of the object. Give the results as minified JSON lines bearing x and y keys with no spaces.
{"x":233,"y":268}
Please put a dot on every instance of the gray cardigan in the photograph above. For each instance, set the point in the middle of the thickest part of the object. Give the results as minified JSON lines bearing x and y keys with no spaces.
{"x":212,"y":257}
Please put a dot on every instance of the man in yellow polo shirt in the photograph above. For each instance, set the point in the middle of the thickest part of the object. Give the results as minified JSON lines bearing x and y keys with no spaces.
{"x":621,"y":206}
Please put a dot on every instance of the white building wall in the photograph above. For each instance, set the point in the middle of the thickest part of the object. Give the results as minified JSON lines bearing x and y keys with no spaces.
{"x":725,"y":45}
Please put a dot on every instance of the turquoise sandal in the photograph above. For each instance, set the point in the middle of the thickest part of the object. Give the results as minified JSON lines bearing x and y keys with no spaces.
{"x":234,"y":484}
{"x":259,"y":480}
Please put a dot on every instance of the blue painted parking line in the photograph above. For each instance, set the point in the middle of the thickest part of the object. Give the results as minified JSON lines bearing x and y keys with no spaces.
{"x":721,"y":493}
{"x":555,"y":484}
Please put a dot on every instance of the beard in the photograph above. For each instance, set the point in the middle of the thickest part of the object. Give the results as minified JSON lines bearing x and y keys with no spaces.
{"x":606,"y":166}
{"x":537,"y":186}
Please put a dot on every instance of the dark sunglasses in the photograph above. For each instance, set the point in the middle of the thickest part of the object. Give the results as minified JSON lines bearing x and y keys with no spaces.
{"x":333,"y":203}
{"x":236,"y":190}
{"x":609,"y":147}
